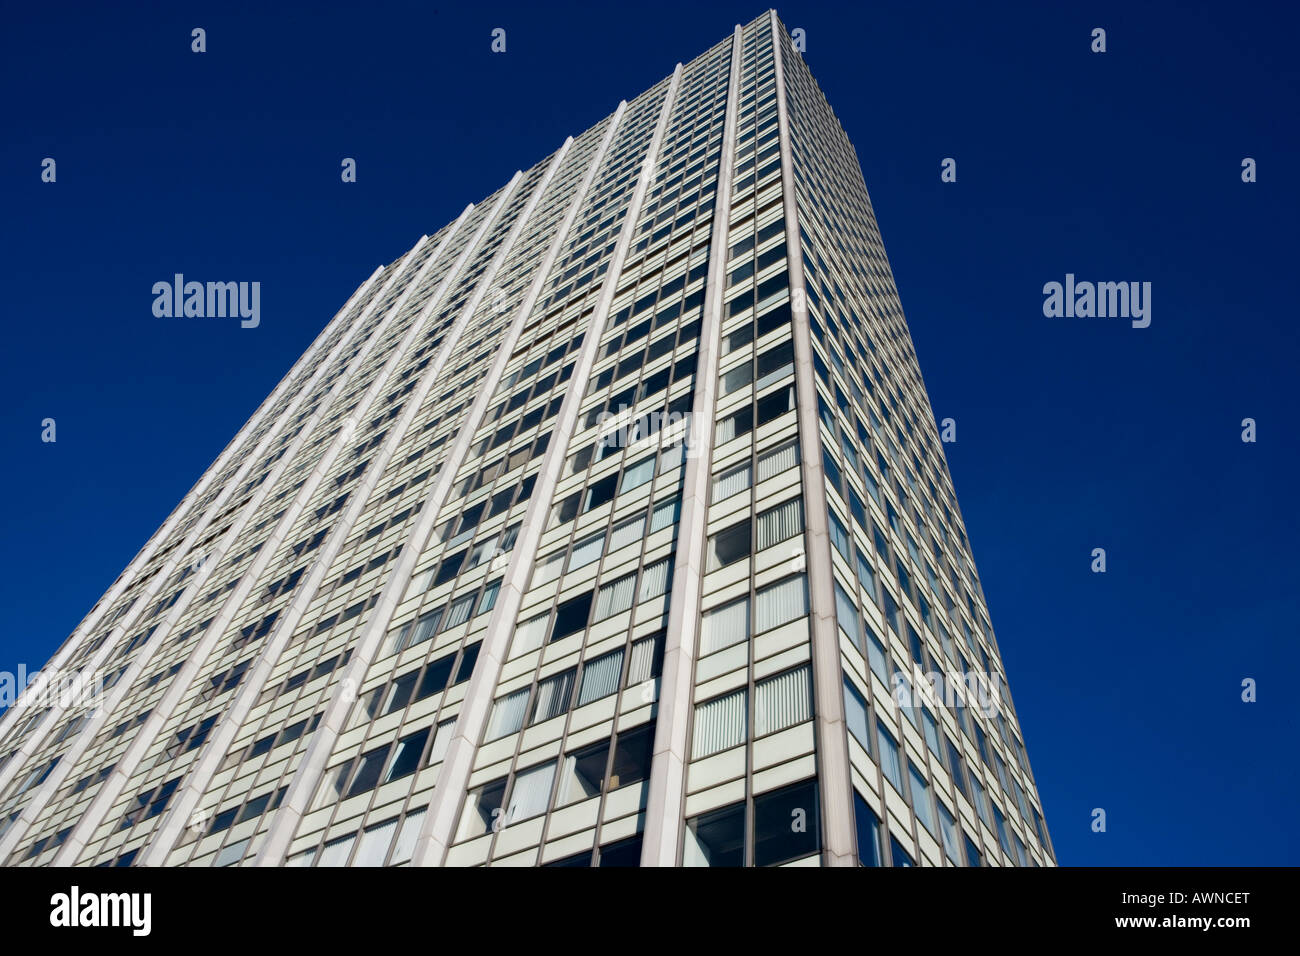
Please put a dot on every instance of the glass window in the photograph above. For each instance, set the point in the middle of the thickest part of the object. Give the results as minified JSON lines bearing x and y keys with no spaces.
{"x":846,"y":615}
{"x":586,"y":551}
{"x":634,"y":476}
{"x":665,"y":514}
{"x":399,"y":692}
{"x":725,"y":626}
{"x":483,"y":809}
{"x":888,"y":752}
{"x":404,"y":848}
{"x":406,"y":755}
{"x":839,"y":536}
{"x":780,"y":523}
{"x":532,"y":792}
{"x":507,"y":714}
{"x":369,"y":767}
{"x":855,"y":715}
{"x":645,"y":660}
{"x":615,"y":597}
{"x":948,"y":829}
{"x":868,"y":832}
{"x":921,"y":798}
{"x":782,"y":458}
{"x":600,"y":492}
{"x":571,"y":616}
{"x":583,"y":774}
{"x":655,"y":579}
{"x":374,"y":844}
{"x":731,"y":482}
{"x":729,"y":546}
{"x":553,"y":696}
{"x":235,"y":852}
{"x":717,"y":838}
{"x":436,"y":676}
{"x":627,"y":533}
{"x":786,"y":825}
{"x":898,"y":855}
{"x":780,"y":603}
{"x":632,"y":754}
{"x":782,"y":701}
{"x":623,"y":853}
{"x":600,"y":677}
{"x":719,"y":724}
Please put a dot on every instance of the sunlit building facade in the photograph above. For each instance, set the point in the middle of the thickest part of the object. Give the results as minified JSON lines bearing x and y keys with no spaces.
{"x":608,"y":526}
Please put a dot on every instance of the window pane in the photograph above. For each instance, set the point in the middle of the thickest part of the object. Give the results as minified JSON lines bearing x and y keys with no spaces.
{"x":855,"y":715}
{"x":600,"y":677}
{"x":889,"y":757}
{"x":336,"y":852}
{"x":528,"y":636}
{"x":717,"y":838}
{"x":948,"y":828}
{"x":458,"y":613}
{"x":368,"y":770}
{"x":665,"y":514}
{"x":615,"y":597}
{"x":632,"y":755}
{"x":482,"y":808}
{"x":586,"y":551}
{"x":780,"y":523}
{"x":731,"y":483}
{"x":374,"y":844}
{"x":644,"y":662}
{"x":626,"y":533}
{"x":406,"y":837}
{"x":729,"y":545}
{"x":553,"y":695}
{"x":571,"y":617}
{"x":780,"y":603}
{"x":406,"y":757}
{"x":507,"y":714}
{"x":654,"y":579}
{"x":782,"y":701}
{"x":584,"y":774}
{"x":921,"y":799}
{"x":786,"y":826}
{"x":725,"y":626}
{"x":846,"y":614}
{"x":532,"y":793}
{"x":868,"y":827}
{"x":777,"y":460}
{"x":719,"y":724}
{"x":634,"y":476}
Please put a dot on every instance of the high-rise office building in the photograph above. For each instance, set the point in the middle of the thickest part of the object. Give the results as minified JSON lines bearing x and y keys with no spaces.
{"x":608,"y":526}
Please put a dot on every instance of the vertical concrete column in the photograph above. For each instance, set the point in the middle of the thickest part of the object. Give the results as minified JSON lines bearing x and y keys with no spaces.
{"x":663,"y":818}
{"x":828,"y":697}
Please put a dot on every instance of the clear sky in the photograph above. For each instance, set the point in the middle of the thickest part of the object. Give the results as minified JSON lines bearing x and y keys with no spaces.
{"x":1072,"y":433}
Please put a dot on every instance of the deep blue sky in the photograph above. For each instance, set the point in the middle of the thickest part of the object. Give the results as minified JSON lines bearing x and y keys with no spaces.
{"x":1072,"y":433}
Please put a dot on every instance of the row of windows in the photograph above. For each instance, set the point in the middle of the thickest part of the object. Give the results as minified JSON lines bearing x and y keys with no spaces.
{"x":553,"y":696}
